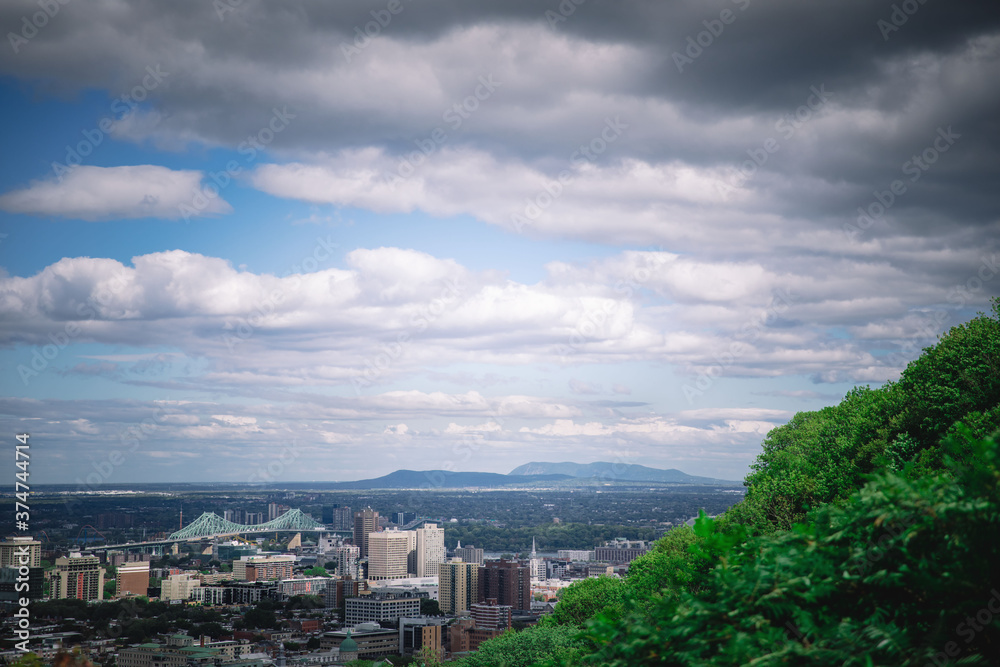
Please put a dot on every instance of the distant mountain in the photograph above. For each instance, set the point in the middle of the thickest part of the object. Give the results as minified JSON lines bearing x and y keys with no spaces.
{"x":613,"y":472}
{"x":444,"y":479}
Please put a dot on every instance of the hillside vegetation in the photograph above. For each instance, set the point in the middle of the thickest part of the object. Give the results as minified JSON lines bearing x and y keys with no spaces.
{"x":869,"y":535}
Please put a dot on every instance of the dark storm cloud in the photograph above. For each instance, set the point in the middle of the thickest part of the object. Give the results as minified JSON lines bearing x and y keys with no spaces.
{"x":851,"y":92}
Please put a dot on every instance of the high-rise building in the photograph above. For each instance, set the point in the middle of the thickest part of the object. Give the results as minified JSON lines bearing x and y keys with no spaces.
{"x":274,"y":510}
{"x":403,"y":518}
{"x":337,"y":517}
{"x":342,"y":518}
{"x":508,"y":582}
{"x":365,"y":523}
{"x":430,"y":549}
{"x":79,"y":577}
{"x":469,"y":554}
{"x":346,"y":559}
{"x":132,"y":579}
{"x":458,"y":586}
{"x":491,"y":616}
{"x":18,"y":551}
{"x":389,"y":554}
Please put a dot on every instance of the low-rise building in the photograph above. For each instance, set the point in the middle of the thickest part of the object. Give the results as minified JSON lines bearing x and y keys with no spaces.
{"x":621,"y":551}
{"x":422,"y":632}
{"x":132,"y":579}
{"x":179,"y":587}
{"x":181,"y":650}
{"x":263,"y":568}
{"x":373,"y":641}
{"x":380,"y":608}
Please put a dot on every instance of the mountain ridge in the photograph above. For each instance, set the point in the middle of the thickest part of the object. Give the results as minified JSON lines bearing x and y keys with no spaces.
{"x":611,"y":472}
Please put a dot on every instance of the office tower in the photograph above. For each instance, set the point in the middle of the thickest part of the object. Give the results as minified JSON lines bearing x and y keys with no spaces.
{"x":508,"y":582}
{"x":79,"y":577}
{"x":343,"y":518}
{"x":403,"y":518}
{"x":132,"y":579}
{"x":430,"y":549}
{"x":346,"y":559}
{"x":365,"y":523}
{"x":338,"y":518}
{"x":274,"y":510}
{"x":18,"y":551}
{"x":389,"y":554}
{"x":469,"y":554}
{"x":458,"y":586}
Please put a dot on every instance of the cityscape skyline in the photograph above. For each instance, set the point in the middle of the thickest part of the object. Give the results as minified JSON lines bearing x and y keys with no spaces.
{"x":265,"y":242}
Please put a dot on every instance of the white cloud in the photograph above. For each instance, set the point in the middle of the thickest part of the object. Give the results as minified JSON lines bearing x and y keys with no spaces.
{"x":101,"y":193}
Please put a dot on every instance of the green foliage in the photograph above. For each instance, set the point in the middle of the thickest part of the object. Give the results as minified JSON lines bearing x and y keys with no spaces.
{"x":260,"y":618}
{"x":670,"y":567}
{"x":587,"y":597}
{"x":889,"y":578}
{"x":868,"y":536}
{"x":28,"y":660}
{"x":317,"y":571}
{"x":825,"y":456}
{"x":536,"y":645}
{"x":429,"y":607}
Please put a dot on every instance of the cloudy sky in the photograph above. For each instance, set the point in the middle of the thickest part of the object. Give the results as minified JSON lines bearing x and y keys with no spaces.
{"x":324,"y":241}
